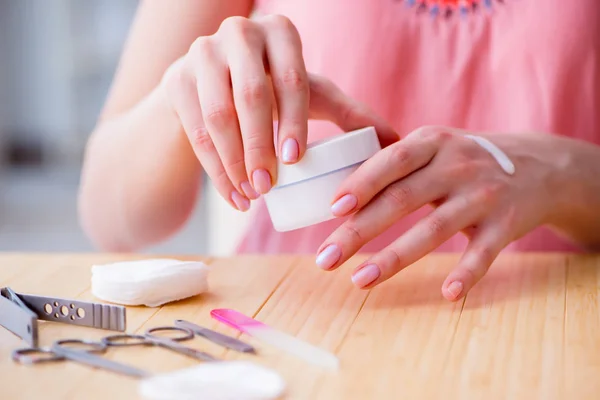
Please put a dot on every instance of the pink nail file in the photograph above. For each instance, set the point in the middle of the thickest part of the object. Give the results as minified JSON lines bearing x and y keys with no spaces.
{"x":275,"y":338}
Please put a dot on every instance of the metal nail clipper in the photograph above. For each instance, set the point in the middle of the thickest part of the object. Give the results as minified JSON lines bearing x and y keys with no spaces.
{"x":19,"y":314}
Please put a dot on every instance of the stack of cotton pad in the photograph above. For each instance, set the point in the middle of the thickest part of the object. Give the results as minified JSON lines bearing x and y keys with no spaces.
{"x":225,"y":380}
{"x":151,"y":282}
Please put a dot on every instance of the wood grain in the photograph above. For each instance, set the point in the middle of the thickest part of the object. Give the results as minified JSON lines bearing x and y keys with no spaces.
{"x":529,"y":330}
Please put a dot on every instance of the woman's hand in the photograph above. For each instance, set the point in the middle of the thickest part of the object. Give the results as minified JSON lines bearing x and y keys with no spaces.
{"x":470,"y":193}
{"x":230,"y":86}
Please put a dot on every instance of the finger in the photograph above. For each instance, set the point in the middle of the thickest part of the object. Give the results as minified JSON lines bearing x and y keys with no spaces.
{"x":252,"y":96}
{"x":394,"y":203}
{"x":218,"y":112}
{"x":391,"y":164}
{"x":184,"y":96}
{"x":290,"y":84}
{"x":428,"y":234}
{"x":328,"y":102}
{"x":481,"y":252}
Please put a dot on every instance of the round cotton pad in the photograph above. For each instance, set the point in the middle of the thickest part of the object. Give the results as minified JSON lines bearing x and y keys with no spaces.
{"x":152,"y":282}
{"x":226,"y":380}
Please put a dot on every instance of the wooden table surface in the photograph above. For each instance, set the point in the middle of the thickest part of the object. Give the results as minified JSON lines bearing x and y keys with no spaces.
{"x":529,"y":330}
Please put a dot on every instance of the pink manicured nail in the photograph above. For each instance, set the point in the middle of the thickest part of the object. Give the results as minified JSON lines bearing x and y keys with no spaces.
{"x":455,"y":288}
{"x":242,"y":203}
{"x":261,"y":180}
{"x":366,"y":275}
{"x":344,"y":205}
{"x":249,"y":191}
{"x":290,"y":151}
{"x":328,"y":257}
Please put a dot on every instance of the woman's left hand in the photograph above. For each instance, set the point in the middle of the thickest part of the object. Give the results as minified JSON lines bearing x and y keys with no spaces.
{"x":470,"y":193}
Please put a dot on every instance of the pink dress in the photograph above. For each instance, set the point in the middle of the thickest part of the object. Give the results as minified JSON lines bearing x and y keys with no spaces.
{"x":521,"y":65}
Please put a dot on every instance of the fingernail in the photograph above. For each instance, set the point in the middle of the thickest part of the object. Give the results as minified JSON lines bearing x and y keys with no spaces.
{"x":242,"y":203}
{"x":455,"y":288}
{"x":365,"y":275}
{"x":328,"y":257}
{"x":249,"y":190}
{"x":261,"y":180}
{"x":344,"y":205}
{"x":290,"y":151}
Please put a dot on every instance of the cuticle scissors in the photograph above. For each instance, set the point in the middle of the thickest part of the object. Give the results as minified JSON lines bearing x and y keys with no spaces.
{"x":85,"y":351}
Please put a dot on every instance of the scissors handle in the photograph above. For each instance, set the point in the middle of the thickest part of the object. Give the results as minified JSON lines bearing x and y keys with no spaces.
{"x":126,"y":340}
{"x":35,"y":355}
{"x":182,"y":333}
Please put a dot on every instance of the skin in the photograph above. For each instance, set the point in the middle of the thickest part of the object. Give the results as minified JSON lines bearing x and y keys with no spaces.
{"x":201,"y":93}
{"x":555,"y":184}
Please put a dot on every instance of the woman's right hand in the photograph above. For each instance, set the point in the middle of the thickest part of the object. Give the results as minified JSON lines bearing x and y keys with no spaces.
{"x":230,"y":87}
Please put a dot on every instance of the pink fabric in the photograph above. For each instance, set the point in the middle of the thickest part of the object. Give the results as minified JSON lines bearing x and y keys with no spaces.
{"x":528,"y":65}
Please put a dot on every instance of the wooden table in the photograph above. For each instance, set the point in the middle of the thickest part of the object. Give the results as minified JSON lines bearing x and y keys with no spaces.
{"x":529,"y":330}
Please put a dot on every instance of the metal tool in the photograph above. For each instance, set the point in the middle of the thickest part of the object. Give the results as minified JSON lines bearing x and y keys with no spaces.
{"x":216,"y":337}
{"x":81,"y":351}
{"x":19,"y":314}
{"x":151,"y":338}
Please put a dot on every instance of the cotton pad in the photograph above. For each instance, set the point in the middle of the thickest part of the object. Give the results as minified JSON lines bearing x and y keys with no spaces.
{"x":225,"y":380}
{"x":152,"y":282}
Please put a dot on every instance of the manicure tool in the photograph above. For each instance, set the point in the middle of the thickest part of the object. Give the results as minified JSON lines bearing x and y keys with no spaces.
{"x":150,"y":338}
{"x":278,"y":339}
{"x":19,"y":314}
{"x":81,"y":350}
{"x":83,"y":353}
{"x":216,"y":337}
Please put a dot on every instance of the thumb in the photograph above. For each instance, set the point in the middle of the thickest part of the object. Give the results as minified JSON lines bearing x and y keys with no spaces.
{"x":328,"y":102}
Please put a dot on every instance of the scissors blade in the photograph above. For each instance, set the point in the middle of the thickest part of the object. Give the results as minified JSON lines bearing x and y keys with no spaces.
{"x":216,"y":337}
{"x":95,"y":361}
{"x":17,"y":317}
{"x":186,"y":351}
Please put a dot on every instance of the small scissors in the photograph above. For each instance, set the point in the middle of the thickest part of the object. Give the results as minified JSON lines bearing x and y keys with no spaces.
{"x":83,"y":351}
{"x":150,"y":338}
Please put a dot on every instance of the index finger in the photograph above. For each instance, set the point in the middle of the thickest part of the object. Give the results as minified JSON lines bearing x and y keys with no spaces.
{"x":384,"y":168}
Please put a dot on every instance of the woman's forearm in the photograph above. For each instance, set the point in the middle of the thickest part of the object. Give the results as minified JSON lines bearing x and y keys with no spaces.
{"x":140,"y":177}
{"x":578,"y":192}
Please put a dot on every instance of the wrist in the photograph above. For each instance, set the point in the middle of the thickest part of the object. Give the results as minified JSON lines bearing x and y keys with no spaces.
{"x":573,"y":183}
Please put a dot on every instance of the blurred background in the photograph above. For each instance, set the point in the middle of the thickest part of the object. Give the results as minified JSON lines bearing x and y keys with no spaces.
{"x":57,"y":60}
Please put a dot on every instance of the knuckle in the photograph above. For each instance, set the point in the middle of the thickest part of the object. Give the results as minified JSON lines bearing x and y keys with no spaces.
{"x":235,"y":24}
{"x":279,"y":21}
{"x":399,"y":196}
{"x":489,"y":193}
{"x":353,"y":233}
{"x":436,"y":227}
{"x":293,"y":80}
{"x":201,"y":139}
{"x":222,"y":179}
{"x":220,"y":114}
{"x":235,"y":164}
{"x":464,"y":168}
{"x":399,"y":155}
{"x":201,"y":47}
{"x":258,"y":150}
{"x":348,"y":114}
{"x":482,"y":257}
{"x":393,"y":259}
{"x":433,"y":132}
{"x":254,"y":91}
